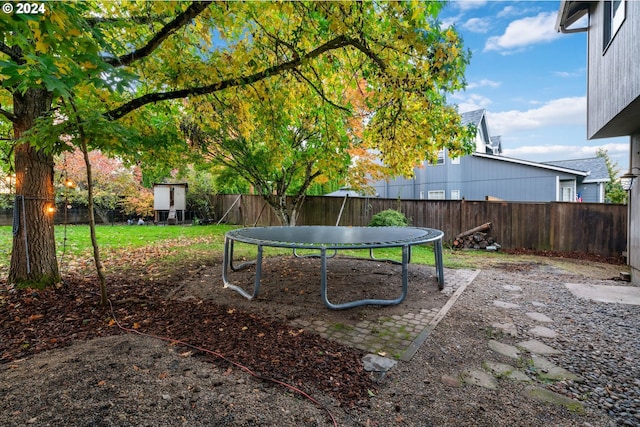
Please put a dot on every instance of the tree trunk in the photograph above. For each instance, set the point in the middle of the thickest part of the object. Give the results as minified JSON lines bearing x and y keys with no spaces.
{"x":33,"y":259}
{"x":92,"y":223}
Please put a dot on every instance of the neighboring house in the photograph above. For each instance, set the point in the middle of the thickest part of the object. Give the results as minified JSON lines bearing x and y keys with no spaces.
{"x":487,"y":174}
{"x":613,"y":87}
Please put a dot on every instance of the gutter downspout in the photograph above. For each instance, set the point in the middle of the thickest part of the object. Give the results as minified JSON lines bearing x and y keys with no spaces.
{"x":566,"y":21}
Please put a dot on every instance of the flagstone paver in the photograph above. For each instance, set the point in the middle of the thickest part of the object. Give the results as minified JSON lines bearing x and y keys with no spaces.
{"x":502,"y":370}
{"x":480,"y":378}
{"x":504,"y":349}
{"x":544,"y":332}
{"x":539,"y":317}
{"x":537,"y":347}
{"x":504,"y":304}
{"x":507,"y":328}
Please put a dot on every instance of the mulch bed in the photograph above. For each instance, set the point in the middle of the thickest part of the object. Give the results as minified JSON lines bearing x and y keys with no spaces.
{"x":33,"y":321}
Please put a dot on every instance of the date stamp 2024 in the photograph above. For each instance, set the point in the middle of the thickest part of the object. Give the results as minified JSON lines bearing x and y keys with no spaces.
{"x":32,"y":8}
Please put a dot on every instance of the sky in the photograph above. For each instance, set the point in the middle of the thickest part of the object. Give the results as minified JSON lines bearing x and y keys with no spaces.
{"x":530,"y":79}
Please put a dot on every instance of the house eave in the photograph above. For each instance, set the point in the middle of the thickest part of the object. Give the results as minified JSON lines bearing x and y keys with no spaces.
{"x":570,"y":12}
{"x":533,"y":164}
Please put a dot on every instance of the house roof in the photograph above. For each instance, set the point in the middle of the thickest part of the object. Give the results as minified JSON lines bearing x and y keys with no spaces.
{"x":534,"y":164}
{"x":472,"y":117}
{"x":596,"y":166}
{"x":496,"y":144}
{"x":344,"y":192}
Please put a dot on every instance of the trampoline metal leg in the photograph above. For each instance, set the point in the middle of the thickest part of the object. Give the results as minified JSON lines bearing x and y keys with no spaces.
{"x":350,"y":304}
{"x":437,"y":250}
{"x":227,"y":263}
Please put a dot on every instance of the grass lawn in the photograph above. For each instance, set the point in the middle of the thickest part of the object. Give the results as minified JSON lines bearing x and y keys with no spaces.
{"x":169,"y":245}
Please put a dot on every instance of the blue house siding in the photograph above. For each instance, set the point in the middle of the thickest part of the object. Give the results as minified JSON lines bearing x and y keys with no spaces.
{"x":477,"y":177}
{"x":487,"y":173}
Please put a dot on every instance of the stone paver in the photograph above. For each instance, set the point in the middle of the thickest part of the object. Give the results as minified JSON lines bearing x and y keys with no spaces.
{"x":504,"y":349}
{"x":544,"y":332}
{"x":504,"y":304}
{"x":547,"y":396}
{"x":507,"y":328}
{"x":480,"y":378}
{"x":502,"y":370}
{"x":537,"y":347}
{"x":539,"y":317}
{"x":547,"y":370}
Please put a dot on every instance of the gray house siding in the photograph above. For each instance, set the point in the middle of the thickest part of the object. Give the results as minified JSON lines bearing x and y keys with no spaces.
{"x":508,"y":181}
{"x":486,"y":173}
{"x":589,"y":192}
{"x":613,"y":106}
{"x":613,"y":94}
{"x":476,"y":178}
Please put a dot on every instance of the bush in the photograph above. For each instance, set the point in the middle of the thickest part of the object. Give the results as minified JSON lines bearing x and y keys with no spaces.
{"x":389,"y":218}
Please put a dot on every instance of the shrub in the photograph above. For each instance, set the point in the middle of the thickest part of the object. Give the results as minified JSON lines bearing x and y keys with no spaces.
{"x":389,"y":218}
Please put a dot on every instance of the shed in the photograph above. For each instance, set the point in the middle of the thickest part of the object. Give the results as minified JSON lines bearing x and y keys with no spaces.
{"x":169,"y":202}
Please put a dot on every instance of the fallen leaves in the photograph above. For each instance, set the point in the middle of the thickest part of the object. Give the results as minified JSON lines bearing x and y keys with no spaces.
{"x":269,"y":347}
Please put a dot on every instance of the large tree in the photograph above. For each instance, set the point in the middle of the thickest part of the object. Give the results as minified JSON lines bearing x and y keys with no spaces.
{"x":276,"y":134}
{"x":89,"y":64}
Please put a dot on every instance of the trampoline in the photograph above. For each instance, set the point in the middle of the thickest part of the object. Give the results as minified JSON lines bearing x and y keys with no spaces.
{"x":329,"y":239}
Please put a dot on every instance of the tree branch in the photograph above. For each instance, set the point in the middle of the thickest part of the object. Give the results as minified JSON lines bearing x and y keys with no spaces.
{"x":98,"y":20}
{"x":9,"y":115}
{"x":320,"y":91}
{"x":134,"y":104}
{"x":14,"y":53}
{"x":180,"y":21}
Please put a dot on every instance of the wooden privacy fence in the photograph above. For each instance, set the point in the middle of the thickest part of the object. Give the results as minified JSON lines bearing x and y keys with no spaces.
{"x":594,"y":228}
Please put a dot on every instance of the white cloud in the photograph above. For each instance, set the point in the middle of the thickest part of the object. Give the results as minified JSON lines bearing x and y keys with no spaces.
{"x":477,"y":25}
{"x":570,"y":74}
{"x":483,"y":83}
{"x":525,"y":32}
{"x":507,"y":11}
{"x":471,"y":102}
{"x":562,"y":111}
{"x":469,"y":4}
{"x":510,"y":11}
{"x":562,"y":152}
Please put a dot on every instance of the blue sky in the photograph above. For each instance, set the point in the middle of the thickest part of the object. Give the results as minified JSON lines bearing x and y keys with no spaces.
{"x":530,"y":79}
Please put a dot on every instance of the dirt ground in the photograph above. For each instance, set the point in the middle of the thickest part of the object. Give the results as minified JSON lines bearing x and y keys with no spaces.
{"x":183,"y":350}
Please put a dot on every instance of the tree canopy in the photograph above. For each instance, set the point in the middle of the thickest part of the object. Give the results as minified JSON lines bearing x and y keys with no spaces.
{"x":118,"y":72}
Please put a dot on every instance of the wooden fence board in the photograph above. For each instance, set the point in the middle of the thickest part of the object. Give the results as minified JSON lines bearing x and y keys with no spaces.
{"x":565,"y":227}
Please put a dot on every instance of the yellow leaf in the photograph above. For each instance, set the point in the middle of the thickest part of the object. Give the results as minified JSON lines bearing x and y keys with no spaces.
{"x":41,"y":46}
{"x":88,"y":65}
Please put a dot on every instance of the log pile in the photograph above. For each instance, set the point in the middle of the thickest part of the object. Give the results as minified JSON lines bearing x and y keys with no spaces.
{"x":476,"y":238}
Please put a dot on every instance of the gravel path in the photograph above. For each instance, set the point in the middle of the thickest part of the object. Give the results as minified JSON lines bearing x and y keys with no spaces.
{"x":595,"y":341}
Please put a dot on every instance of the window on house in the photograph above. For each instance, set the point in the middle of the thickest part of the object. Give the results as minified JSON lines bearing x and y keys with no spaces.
{"x":455,"y":161}
{"x":440,"y":158}
{"x":455,"y":194}
{"x":436,"y":195}
{"x":614,"y":14}
{"x":422,"y":195}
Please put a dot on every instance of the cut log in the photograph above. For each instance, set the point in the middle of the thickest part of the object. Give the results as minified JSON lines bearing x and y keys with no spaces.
{"x":483,"y":227}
